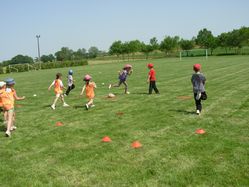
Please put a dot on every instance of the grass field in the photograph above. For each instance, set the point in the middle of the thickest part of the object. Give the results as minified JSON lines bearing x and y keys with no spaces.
{"x":39,"y":153}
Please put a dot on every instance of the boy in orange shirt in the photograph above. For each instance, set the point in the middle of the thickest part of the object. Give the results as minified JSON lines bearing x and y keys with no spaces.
{"x":152,"y":79}
{"x":89,"y":87}
{"x":58,"y":89}
{"x":8,"y":97}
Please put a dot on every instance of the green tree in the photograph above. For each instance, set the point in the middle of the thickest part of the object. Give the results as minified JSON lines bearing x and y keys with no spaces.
{"x":154,"y":43}
{"x":134,"y":46}
{"x":116,"y":48}
{"x":169,"y":44}
{"x":80,"y":54}
{"x":64,"y":54}
{"x":206,"y":40}
{"x":20,"y":59}
{"x":186,"y":45}
{"x":93,"y":52}
{"x":146,"y":49}
{"x":47,"y":58}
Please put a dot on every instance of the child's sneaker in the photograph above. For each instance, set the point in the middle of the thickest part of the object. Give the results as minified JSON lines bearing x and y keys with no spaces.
{"x":13,"y":128}
{"x":87,"y":107}
{"x":65,"y":105}
{"x":53,"y":107}
{"x":198,"y":112}
{"x":110,"y":85}
{"x":7,"y":133}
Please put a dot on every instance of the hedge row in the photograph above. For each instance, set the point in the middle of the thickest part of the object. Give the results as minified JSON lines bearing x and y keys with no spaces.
{"x":37,"y":66}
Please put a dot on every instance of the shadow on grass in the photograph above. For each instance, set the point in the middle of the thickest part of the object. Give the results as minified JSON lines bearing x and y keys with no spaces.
{"x":2,"y":128}
{"x":140,"y":93}
{"x":46,"y":106}
{"x":183,"y":111}
{"x":79,"y":106}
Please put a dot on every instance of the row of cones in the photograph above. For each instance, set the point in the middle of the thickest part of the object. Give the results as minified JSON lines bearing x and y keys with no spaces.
{"x":135,"y":144}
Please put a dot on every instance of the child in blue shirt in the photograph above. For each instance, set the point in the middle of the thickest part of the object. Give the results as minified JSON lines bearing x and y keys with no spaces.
{"x":127,"y":70}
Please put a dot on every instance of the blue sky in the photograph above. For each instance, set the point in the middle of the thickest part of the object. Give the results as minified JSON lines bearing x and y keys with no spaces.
{"x":85,"y":23}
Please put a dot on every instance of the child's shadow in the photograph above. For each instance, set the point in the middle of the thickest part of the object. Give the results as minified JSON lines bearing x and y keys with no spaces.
{"x":183,"y":111}
{"x":2,"y":128}
{"x":140,"y":93}
{"x":46,"y":106}
{"x":78,"y":106}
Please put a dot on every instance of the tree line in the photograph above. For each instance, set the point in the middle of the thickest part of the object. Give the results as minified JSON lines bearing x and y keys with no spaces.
{"x":235,"y":39}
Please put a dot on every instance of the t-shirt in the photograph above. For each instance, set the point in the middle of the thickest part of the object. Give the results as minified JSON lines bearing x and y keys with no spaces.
{"x":58,"y":86}
{"x":123,"y":75}
{"x":198,"y":82}
{"x":152,"y":74}
{"x":8,"y":99}
{"x":69,"y":80}
{"x":90,"y":91}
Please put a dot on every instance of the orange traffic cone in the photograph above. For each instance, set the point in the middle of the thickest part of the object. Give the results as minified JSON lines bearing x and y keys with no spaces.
{"x":136,"y":144}
{"x":200,"y":131}
{"x":106,"y":139}
{"x":59,"y":124}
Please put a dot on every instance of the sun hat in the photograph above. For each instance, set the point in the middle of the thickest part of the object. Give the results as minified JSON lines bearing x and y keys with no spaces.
{"x":197,"y":67}
{"x":87,"y":78}
{"x":2,"y":83}
{"x":70,"y":72}
{"x":150,"y":65}
{"x":10,"y":81}
{"x":128,"y":66}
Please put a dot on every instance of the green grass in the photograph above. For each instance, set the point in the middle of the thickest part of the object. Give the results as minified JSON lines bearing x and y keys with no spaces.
{"x":42,"y":154}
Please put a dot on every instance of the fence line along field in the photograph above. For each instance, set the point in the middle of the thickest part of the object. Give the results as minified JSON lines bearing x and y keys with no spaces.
{"x":43,"y":153}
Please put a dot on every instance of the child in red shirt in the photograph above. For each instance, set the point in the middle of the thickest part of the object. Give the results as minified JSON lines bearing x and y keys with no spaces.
{"x":152,"y":79}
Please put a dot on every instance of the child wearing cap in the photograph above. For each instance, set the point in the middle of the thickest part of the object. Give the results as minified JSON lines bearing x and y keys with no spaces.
{"x":58,"y":89}
{"x":70,"y":82}
{"x":8,"y":97}
{"x":127,"y":70}
{"x":152,"y":79}
{"x":198,"y":81}
{"x":89,"y":86}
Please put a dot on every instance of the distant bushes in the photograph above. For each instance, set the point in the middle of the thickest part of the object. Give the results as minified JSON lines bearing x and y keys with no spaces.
{"x":37,"y":66}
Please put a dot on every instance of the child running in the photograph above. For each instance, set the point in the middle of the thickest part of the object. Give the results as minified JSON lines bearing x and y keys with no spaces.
{"x":89,"y":86}
{"x":70,"y":82}
{"x":152,"y":79}
{"x":198,"y":81}
{"x":58,"y":89}
{"x":8,"y":97}
{"x":2,"y":89}
{"x":127,"y":70}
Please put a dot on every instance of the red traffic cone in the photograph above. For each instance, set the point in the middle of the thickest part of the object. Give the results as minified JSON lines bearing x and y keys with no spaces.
{"x":58,"y":124}
{"x":106,"y":139}
{"x":200,"y":131}
{"x":136,"y":144}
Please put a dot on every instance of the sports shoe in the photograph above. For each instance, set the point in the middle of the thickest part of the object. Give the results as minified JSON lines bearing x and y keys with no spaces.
{"x":53,"y":107}
{"x":109,"y":86}
{"x":13,"y":128}
{"x":92,"y":106}
{"x":198,"y":112}
{"x":7,"y":133}
{"x":127,"y":93}
{"x":87,"y":107}
{"x":65,"y":105}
